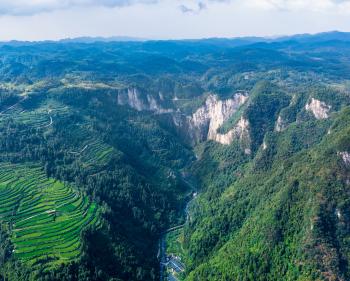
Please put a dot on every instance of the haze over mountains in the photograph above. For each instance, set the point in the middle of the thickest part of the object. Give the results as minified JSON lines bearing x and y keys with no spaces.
{"x":325,"y":36}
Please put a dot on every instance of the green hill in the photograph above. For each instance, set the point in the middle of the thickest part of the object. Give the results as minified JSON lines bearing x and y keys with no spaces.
{"x":104,"y":144}
{"x":44,"y":216}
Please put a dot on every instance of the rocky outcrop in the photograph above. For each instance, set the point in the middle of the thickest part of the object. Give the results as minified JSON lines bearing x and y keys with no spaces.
{"x":240,"y":131}
{"x":204,"y":123}
{"x":338,"y":213}
{"x":318,"y":108}
{"x":280,"y":126}
{"x":346,"y":157}
{"x":264,"y":145}
{"x":133,"y":98}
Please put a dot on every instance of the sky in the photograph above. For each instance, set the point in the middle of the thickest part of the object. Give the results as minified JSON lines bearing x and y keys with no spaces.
{"x":169,"y":19}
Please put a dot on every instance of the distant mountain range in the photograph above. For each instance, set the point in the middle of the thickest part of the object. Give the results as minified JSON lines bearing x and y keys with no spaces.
{"x":228,"y":42}
{"x":87,"y":39}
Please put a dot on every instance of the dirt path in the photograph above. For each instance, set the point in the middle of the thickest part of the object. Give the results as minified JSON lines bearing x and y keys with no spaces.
{"x":47,"y":125}
{"x":81,"y":151}
{"x":12,"y":106}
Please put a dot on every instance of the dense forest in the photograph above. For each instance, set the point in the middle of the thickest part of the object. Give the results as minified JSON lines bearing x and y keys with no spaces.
{"x":103,"y":144}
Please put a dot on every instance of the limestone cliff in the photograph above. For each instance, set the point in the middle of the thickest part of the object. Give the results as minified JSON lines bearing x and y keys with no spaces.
{"x":345,"y":156}
{"x":318,"y":108}
{"x":133,"y":98}
{"x":280,"y":126}
{"x":240,"y":131}
{"x":204,"y":123}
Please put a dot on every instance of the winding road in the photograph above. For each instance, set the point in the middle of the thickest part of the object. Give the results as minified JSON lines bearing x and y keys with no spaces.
{"x":47,"y":125}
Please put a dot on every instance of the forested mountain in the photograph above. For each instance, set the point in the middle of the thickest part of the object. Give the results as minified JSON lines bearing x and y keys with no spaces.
{"x":104,"y":143}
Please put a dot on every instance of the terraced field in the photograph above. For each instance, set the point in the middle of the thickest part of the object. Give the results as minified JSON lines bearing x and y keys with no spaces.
{"x":38,"y":118}
{"x":97,"y":153}
{"x":88,"y":147}
{"x":45,"y":216}
{"x":42,"y":117}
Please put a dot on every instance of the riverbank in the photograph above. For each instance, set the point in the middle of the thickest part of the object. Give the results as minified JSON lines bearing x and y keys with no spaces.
{"x":171,"y":251}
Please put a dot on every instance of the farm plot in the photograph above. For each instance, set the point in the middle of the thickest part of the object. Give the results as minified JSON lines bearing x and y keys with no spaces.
{"x":97,"y":152}
{"x":88,"y":147}
{"x":38,"y":118}
{"x":42,"y":117}
{"x":45,"y":216}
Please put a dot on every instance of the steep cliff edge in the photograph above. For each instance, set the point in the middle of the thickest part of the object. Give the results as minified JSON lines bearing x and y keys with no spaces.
{"x":318,"y":108}
{"x":139,"y":101}
{"x":205,"y":122}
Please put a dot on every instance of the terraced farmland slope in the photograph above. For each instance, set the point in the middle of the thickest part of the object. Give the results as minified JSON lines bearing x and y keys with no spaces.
{"x":45,"y":216}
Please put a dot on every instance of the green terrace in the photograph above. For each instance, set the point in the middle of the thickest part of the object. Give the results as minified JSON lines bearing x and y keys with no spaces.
{"x":45,"y":216}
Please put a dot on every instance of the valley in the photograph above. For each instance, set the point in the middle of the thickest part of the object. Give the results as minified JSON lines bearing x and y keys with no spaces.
{"x":221,"y":159}
{"x":171,"y":252}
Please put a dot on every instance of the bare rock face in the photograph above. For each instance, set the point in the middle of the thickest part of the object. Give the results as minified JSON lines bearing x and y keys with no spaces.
{"x":280,"y":126}
{"x":133,"y":98}
{"x":318,"y":108}
{"x":346,"y":157}
{"x":264,"y":145}
{"x":204,"y":123}
{"x":240,"y":131}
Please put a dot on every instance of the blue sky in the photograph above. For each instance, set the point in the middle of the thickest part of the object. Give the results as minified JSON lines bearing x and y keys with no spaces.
{"x":169,"y":19}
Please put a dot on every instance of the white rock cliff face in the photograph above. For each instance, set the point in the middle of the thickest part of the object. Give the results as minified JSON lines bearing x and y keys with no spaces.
{"x":346,"y":157}
{"x":279,"y":124}
{"x":204,"y":123}
{"x":264,"y":145}
{"x":133,"y":98}
{"x":318,"y":108}
{"x":201,"y":125}
{"x":240,"y":131}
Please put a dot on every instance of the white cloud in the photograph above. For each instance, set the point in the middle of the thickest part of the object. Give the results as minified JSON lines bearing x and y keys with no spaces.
{"x":29,"y":7}
{"x":54,"y":19}
{"x":195,"y":9}
{"x":339,"y":6}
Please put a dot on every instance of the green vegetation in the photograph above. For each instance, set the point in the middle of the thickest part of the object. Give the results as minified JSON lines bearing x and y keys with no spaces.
{"x":175,"y":248}
{"x":44,"y":216}
{"x":96,"y":160}
{"x":80,"y":192}
{"x":283,"y":218}
{"x":174,"y":243}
